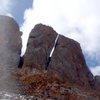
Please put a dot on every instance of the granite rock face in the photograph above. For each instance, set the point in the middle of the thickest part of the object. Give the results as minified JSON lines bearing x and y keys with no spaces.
{"x":39,"y":45}
{"x":10,"y":50}
{"x":67,"y":60}
{"x":67,"y":76}
{"x":10,"y":42}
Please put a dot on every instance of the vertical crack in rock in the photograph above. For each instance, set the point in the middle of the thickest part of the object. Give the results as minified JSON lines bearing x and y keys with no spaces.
{"x":66,"y":71}
{"x":67,"y":60}
{"x":21,"y":61}
{"x":51,"y":53}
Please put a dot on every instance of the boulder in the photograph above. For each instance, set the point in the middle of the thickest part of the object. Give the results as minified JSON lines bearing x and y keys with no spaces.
{"x":10,"y":50}
{"x":67,"y":60}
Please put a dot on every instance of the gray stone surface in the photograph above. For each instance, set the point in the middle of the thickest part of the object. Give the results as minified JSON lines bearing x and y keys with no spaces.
{"x":10,"y":49}
{"x":97,"y":82}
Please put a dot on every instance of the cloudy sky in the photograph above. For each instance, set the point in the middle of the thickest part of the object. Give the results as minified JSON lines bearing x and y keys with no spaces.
{"x":77,"y":19}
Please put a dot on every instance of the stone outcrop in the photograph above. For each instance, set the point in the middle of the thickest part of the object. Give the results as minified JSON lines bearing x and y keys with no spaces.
{"x":67,"y":76}
{"x":10,"y":42}
{"x":10,"y":50}
{"x":40,"y":43}
{"x":67,"y":60}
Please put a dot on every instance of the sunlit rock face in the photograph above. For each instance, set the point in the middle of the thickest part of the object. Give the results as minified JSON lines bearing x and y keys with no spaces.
{"x":10,"y":49}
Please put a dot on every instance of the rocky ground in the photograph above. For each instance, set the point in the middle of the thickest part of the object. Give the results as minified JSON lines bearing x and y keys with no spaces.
{"x":49,"y":86}
{"x":12,"y":96}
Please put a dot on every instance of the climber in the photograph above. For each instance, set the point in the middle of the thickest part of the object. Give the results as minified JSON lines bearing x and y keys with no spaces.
{"x":49,"y":59}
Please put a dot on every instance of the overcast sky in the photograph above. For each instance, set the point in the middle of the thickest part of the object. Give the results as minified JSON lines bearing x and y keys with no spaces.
{"x":77,"y":19}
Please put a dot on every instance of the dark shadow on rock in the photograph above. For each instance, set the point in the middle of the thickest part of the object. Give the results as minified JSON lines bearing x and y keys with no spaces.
{"x":21,"y":62}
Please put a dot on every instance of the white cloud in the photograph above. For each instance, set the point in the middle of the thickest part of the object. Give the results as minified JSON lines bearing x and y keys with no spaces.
{"x":95,"y":70}
{"x":77,"y":19}
{"x":10,"y":15}
{"x":5,"y":6}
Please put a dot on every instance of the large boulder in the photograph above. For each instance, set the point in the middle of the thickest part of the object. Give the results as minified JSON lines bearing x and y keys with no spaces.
{"x":10,"y":50}
{"x":67,"y":60}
